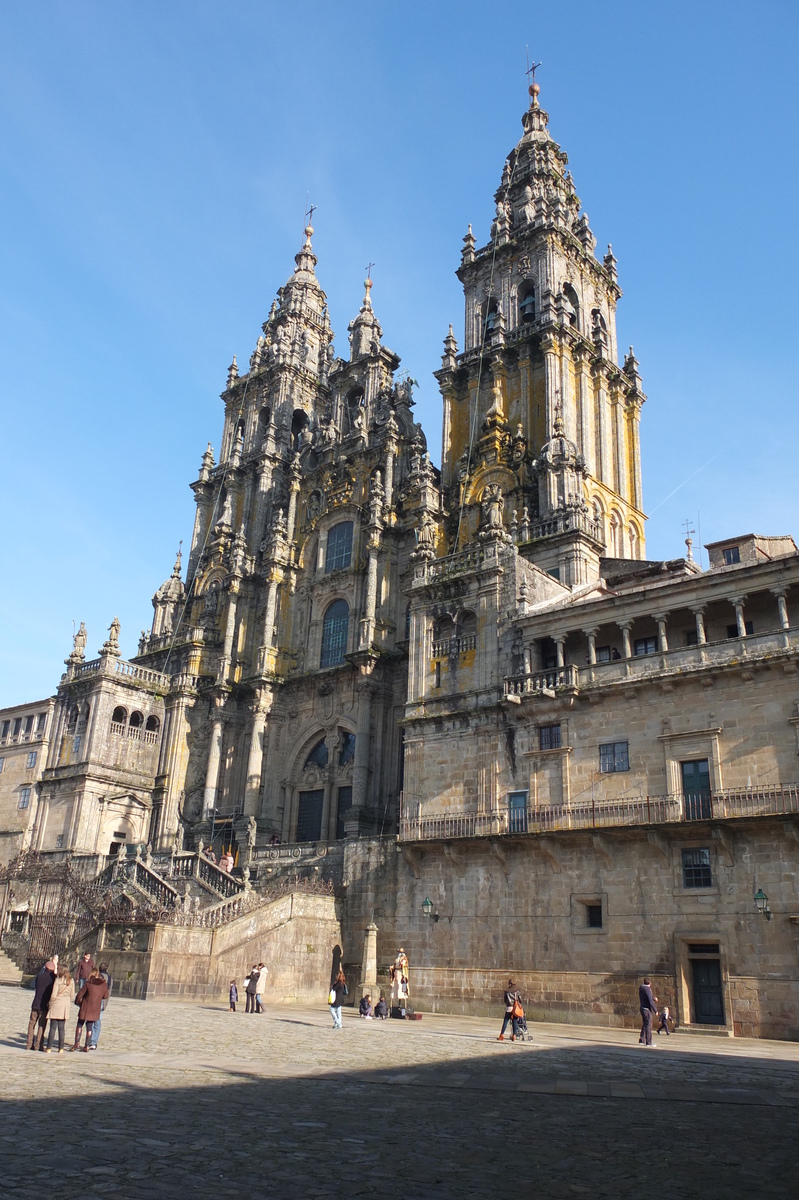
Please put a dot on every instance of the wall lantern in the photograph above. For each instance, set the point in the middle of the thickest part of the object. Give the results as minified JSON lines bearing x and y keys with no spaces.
{"x":427,"y":908}
{"x":761,"y":900}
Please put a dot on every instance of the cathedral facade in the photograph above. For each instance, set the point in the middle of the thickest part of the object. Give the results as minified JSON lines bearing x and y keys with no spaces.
{"x":473,"y":679}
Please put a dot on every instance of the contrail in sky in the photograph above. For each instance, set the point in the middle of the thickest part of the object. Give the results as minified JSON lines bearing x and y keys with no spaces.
{"x":681,"y":485}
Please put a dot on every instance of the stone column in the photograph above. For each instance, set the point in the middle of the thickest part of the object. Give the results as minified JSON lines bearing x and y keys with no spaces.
{"x":591,"y":635}
{"x":559,"y":645}
{"x":738,"y":605}
{"x":701,"y":638}
{"x":551,"y":382}
{"x":625,"y":627}
{"x":260,"y":711}
{"x":360,"y":768}
{"x":230,"y":629}
{"x":264,"y":484}
{"x":369,"y":962}
{"x":294,"y":491}
{"x":368,"y":620}
{"x":267,"y":633}
{"x":782,"y":605}
{"x":214,"y":761}
{"x":663,"y":641}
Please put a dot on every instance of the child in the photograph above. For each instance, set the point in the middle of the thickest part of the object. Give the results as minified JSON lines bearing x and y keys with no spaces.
{"x":234,"y":995}
{"x":664,"y":1021}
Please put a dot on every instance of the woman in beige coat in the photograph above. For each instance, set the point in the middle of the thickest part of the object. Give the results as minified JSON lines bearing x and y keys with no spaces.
{"x":60,"y":1000}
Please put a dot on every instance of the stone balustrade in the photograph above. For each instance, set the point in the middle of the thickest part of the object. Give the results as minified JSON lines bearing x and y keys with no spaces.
{"x":465,"y":562}
{"x":418,"y":824}
{"x":542,"y":683}
{"x":454,"y":645}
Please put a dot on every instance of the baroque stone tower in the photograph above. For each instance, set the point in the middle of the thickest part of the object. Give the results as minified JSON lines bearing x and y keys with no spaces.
{"x":536,"y":405}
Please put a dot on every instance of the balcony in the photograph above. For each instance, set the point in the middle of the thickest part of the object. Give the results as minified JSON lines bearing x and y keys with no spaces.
{"x":454,"y":645}
{"x":466,"y":562}
{"x":417,"y":824}
{"x":542,"y":683}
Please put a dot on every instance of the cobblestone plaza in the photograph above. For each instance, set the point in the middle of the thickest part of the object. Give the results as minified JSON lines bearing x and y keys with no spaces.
{"x":187,"y":1099}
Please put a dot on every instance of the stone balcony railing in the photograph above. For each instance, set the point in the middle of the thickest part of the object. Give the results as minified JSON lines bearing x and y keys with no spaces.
{"x":679,"y":661}
{"x":542,"y":683}
{"x":419,"y":824}
{"x":120,"y":668}
{"x":465,"y":562}
{"x":454,"y":645}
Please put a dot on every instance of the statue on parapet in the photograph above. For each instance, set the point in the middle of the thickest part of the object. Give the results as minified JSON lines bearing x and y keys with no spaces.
{"x":425,"y":539}
{"x":111,"y":645}
{"x":78,"y":645}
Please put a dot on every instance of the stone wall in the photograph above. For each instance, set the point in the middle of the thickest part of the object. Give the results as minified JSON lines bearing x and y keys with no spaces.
{"x":519,"y":906}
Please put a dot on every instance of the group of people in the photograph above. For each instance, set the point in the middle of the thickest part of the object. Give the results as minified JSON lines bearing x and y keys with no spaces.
{"x":254,"y":986}
{"x":226,"y":861}
{"x":648,"y":1005}
{"x":54,"y":990}
{"x":380,"y":1010}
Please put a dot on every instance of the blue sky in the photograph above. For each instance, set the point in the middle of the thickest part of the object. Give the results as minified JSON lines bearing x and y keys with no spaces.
{"x":154,"y":165}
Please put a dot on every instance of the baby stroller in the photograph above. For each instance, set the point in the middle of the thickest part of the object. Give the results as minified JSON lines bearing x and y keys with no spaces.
{"x":522,"y":1032}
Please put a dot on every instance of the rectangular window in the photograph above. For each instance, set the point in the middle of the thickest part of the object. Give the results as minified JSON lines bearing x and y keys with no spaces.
{"x":593,"y":914}
{"x":59,"y":842}
{"x":309,"y":816}
{"x":691,"y":637}
{"x":40,"y":722}
{"x":339,"y":547}
{"x":6,"y":727}
{"x":614,"y":756}
{"x":517,"y":812}
{"x":549,"y":737}
{"x":732,"y":630}
{"x":555,"y":573}
{"x":603,"y":653}
{"x":731,"y":556}
{"x":29,"y":724}
{"x":24,"y":798}
{"x":696,"y":869}
{"x":647,"y":645}
{"x":17,"y":726}
{"x":2,"y":760}
{"x":30,"y":760}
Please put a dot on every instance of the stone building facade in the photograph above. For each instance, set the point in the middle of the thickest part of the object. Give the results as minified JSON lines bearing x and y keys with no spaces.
{"x":541,"y":751}
{"x":24,"y":742}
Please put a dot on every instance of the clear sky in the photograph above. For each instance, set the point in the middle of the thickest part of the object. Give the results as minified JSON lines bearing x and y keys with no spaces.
{"x":155,"y":160}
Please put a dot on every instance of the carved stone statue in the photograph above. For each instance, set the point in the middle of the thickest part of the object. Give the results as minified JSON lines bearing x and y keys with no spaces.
{"x":425,"y":539}
{"x":127,"y":939}
{"x":493,"y":504}
{"x":111,"y":645}
{"x":78,"y":645}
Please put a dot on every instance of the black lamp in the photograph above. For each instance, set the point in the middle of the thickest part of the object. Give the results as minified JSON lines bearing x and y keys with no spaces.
{"x":761,"y":901}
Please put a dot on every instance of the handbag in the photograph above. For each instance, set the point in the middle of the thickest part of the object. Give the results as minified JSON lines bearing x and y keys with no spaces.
{"x":517,"y":1010}
{"x":331,"y":998}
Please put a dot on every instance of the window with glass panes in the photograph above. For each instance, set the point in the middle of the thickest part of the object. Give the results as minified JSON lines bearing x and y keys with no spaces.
{"x":696,"y":869}
{"x":549,"y":737}
{"x":334,"y":634}
{"x":339,"y":547}
{"x":24,"y":798}
{"x":614,"y":756}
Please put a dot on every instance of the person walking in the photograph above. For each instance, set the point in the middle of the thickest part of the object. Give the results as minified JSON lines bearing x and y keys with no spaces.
{"x":109,"y":981}
{"x":511,"y":998}
{"x":90,"y":998}
{"x":664,"y":1021}
{"x":338,"y":990}
{"x":260,"y":987}
{"x":42,"y":990}
{"x":234,"y":995}
{"x":250,"y":986}
{"x":60,"y":1000}
{"x":648,"y":1005}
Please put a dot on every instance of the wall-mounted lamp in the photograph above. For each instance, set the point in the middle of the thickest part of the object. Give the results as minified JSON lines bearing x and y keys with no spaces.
{"x":427,"y":908}
{"x":761,"y":901}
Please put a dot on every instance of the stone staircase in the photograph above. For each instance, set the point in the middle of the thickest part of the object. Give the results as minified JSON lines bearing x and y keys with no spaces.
{"x":10,"y":974}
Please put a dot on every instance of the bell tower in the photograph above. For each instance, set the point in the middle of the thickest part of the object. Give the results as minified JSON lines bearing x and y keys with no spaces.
{"x":537,"y":403}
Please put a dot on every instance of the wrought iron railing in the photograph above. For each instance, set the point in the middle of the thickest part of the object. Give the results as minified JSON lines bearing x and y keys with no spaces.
{"x":418,"y":824}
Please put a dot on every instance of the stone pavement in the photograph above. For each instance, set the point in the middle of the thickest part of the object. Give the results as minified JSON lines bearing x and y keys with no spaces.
{"x":184,"y":1099}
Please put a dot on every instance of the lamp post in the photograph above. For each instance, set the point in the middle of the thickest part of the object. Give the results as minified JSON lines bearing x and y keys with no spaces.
{"x":761,"y":903}
{"x":427,"y":908}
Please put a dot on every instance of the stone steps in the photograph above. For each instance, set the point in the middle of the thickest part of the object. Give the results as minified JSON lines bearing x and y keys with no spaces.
{"x":10,"y":974}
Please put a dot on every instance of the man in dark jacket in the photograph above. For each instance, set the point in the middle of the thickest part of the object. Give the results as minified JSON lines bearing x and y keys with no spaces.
{"x":648,"y":1005}
{"x":109,"y":983}
{"x":42,"y":989}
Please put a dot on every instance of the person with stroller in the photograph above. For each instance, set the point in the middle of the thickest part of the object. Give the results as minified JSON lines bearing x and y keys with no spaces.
{"x":513,"y":1003}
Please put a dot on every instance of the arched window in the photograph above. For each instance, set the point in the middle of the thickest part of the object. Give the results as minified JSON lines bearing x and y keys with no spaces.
{"x":491,"y":320}
{"x":527,"y":306}
{"x":72,"y":720}
{"x":298,"y":423}
{"x":83,"y":718}
{"x":572,"y":305}
{"x":119,"y":719}
{"x":335,"y":627}
{"x":134,"y":725}
{"x":467,"y":625}
{"x":615,"y":536}
{"x":339,"y":547}
{"x":317,"y":757}
{"x":633,"y":534}
{"x":151,"y":727}
{"x":264,"y":420}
